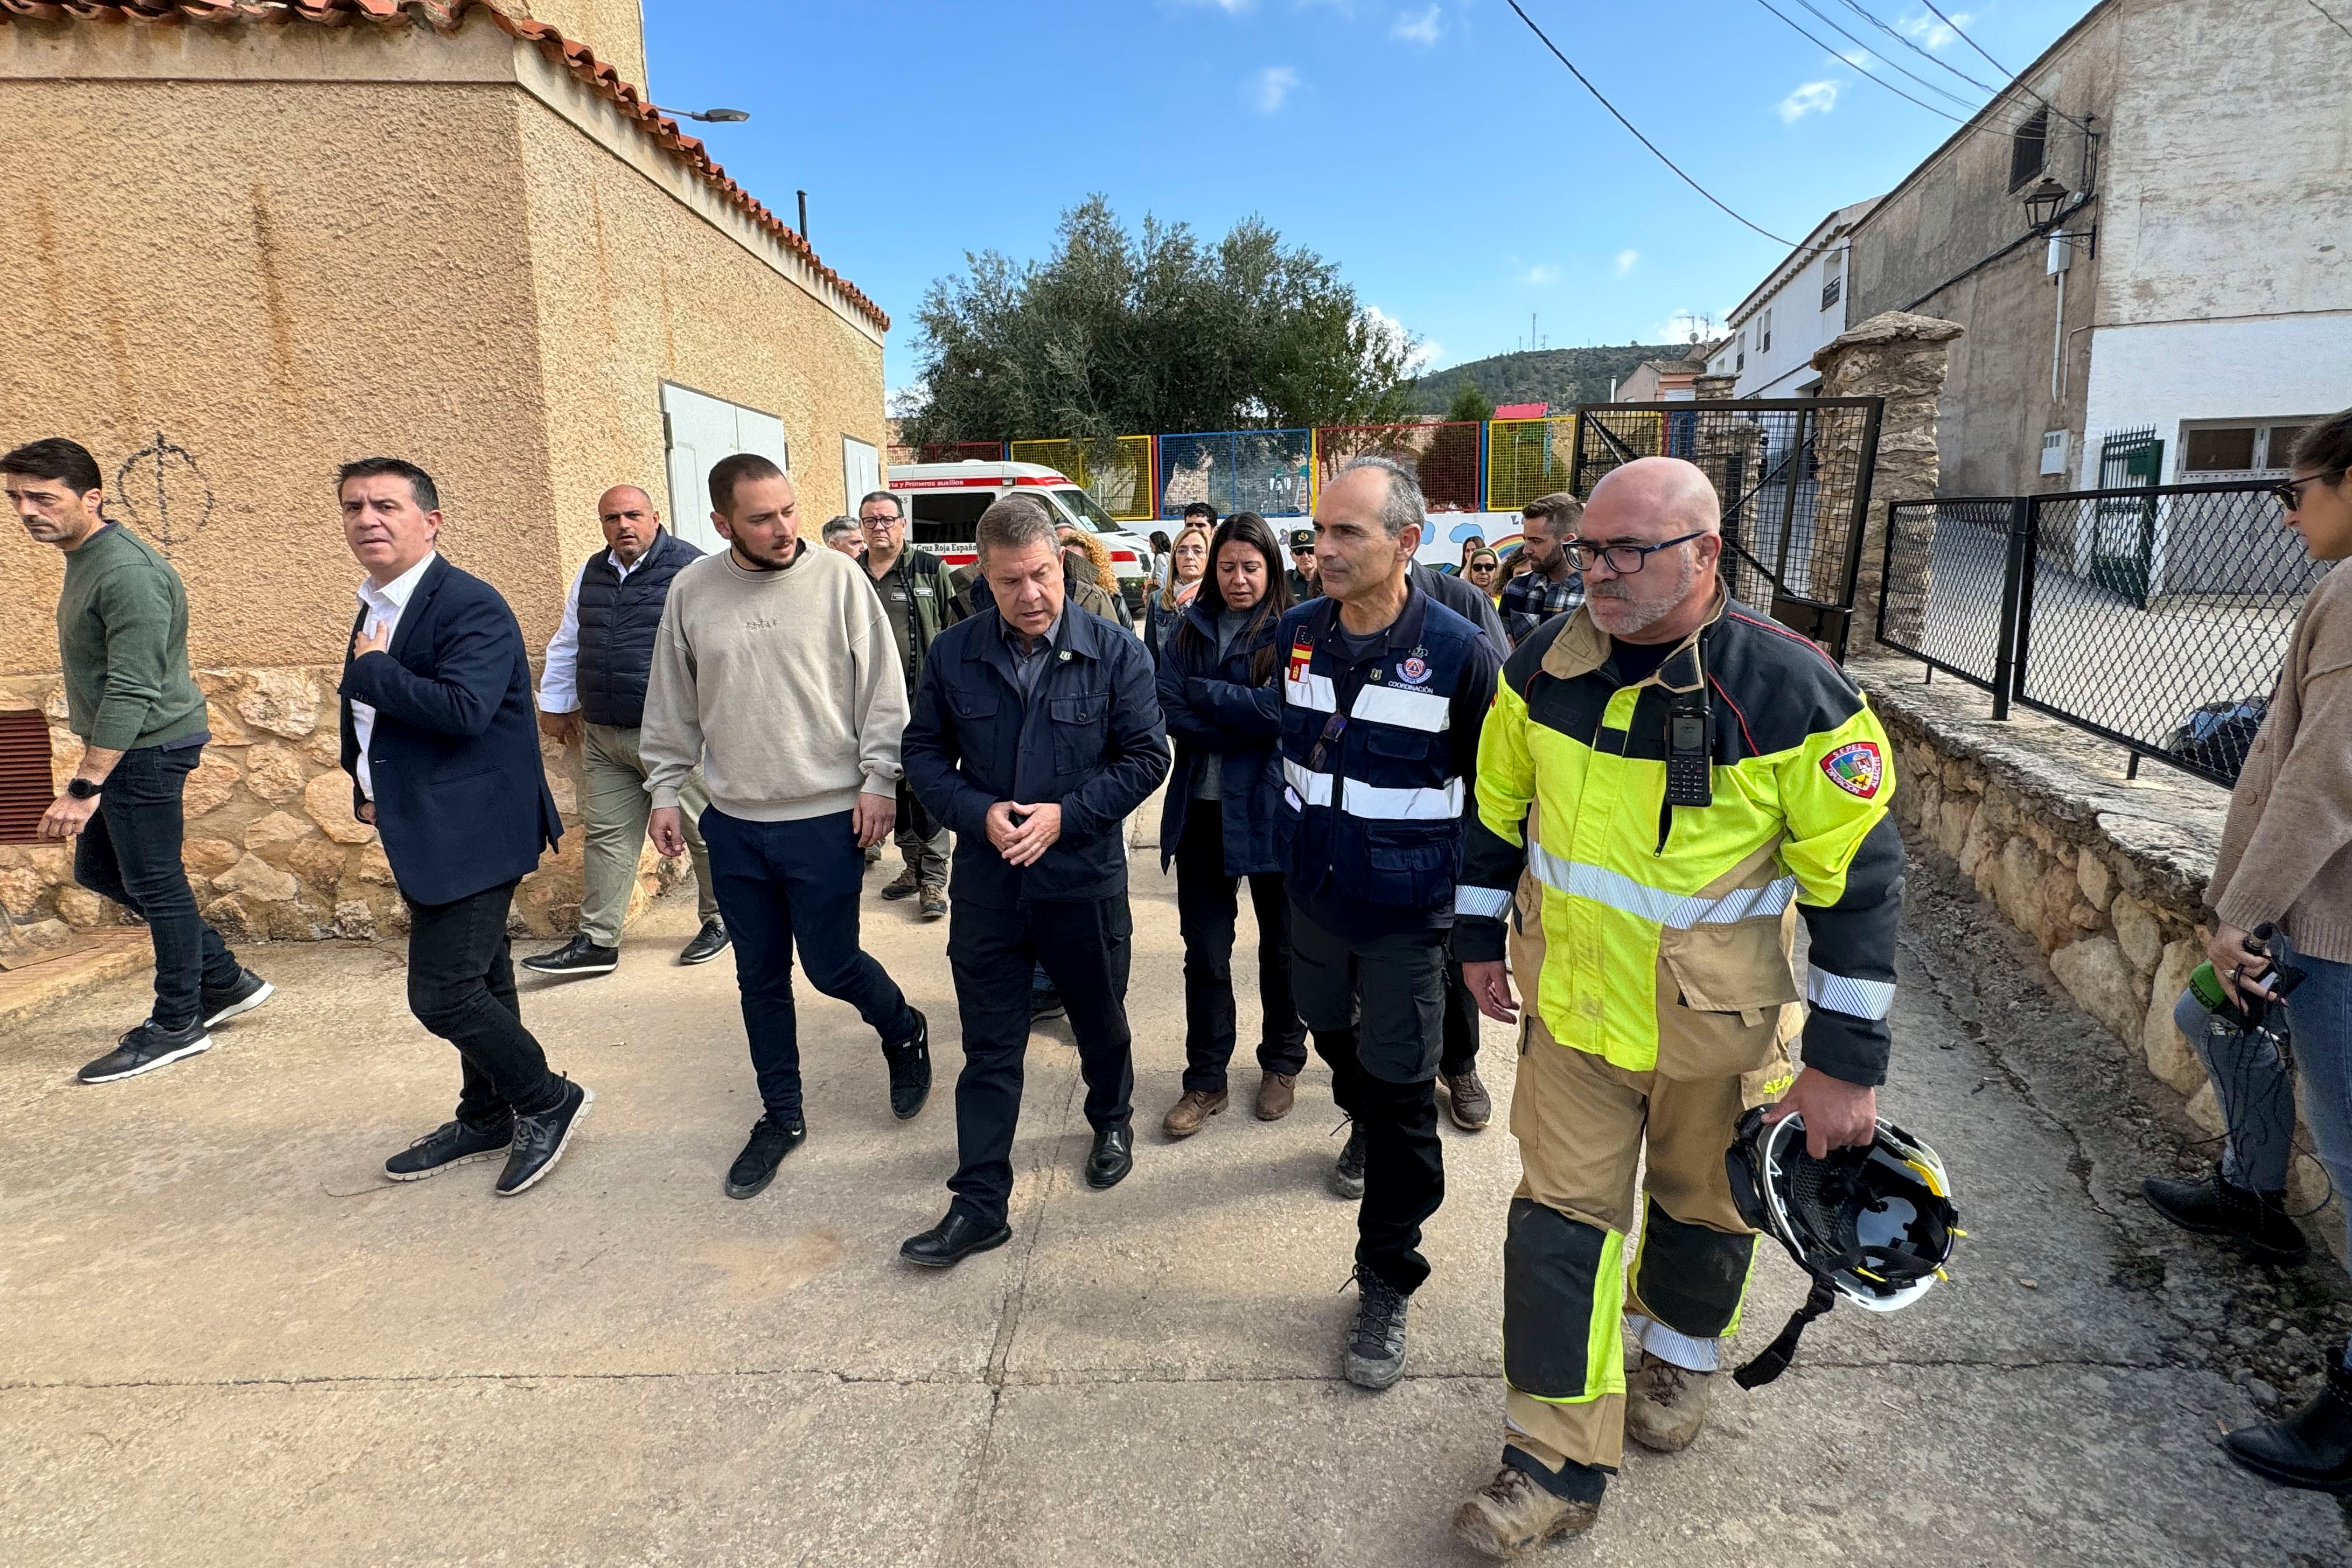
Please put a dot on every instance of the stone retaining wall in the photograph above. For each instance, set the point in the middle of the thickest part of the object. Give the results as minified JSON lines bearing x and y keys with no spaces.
{"x":271,"y":846}
{"x":2106,"y":873}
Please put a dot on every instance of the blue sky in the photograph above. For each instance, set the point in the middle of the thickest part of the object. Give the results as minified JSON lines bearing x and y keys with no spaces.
{"x":1456,"y":172}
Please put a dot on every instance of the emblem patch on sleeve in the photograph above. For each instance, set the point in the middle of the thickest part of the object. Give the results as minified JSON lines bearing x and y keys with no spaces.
{"x":1856,"y":769}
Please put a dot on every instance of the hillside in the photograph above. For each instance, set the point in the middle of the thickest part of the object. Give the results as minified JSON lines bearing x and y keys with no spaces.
{"x":1560,"y":377}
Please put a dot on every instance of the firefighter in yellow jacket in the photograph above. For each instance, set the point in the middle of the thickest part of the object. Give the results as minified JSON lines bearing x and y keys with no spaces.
{"x":1666,"y":780}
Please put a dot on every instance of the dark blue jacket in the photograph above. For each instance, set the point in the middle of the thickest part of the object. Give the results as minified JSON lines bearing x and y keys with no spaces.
{"x":618,"y":618}
{"x":461,"y":800}
{"x":1212,"y":706}
{"x":1090,"y":737}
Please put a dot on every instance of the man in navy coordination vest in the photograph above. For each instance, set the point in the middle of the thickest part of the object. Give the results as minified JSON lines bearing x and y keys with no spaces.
{"x":1384,"y":690}
{"x":592,"y":692}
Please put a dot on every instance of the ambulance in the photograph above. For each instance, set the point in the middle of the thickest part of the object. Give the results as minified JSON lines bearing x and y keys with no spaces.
{"x":944,"y":501}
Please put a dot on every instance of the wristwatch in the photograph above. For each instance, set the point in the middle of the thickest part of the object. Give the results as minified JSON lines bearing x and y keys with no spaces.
{"x":82,"y":788}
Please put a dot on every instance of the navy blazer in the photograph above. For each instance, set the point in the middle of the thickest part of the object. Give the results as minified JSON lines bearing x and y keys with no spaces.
{"x":1211,"y":705}
{"x":1091,"y":737}
{"x":461,"y":799}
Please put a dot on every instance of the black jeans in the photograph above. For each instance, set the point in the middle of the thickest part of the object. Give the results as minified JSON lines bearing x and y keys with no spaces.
{"x":990,"y":955}
{"x":461,"y":986}
{"x":787,"y":885}
{"x":1207,"y":904}
{"x":130,"y":851}
{"x":1376,"y":1010}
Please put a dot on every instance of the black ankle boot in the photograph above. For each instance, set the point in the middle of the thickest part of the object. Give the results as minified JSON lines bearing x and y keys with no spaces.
{"x":2218,"y":1206}
{"x":2311,"y":1448}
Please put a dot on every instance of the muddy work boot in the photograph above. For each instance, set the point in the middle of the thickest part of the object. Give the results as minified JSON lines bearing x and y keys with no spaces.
{"x":1511,"y":1516}
{"x":1665,"y":1405}
{"x":1277,"y":1093}
{"x":2219,"y":1206}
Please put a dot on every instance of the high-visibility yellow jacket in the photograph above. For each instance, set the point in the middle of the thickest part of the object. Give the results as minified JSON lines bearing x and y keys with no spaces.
{"x":1665,"y":933}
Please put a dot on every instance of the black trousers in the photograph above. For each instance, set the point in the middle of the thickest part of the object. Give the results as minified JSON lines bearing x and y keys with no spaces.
{"x":1461,"y":1039}
{"x":1207,"y":906}
{"x":1377,"y":1009}
{"x":991,"y":952}
{"x":128,"y":851}
{"x":461,"y":986}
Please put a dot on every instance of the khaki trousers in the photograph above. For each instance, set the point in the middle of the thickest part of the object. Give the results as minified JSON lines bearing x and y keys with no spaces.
{"x":614,"y":807}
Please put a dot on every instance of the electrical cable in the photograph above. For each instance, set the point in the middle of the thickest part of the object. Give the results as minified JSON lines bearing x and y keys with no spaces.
{"x":1868,"y":53}
{"x":2323,"y":11}
{"x":1713,"y":199}
{"x":2003,"y":69}
{"x":1889,"y":86}
{"x":1913,"y":45}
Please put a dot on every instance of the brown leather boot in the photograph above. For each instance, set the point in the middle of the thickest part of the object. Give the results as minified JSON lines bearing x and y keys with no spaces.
{"x":1511,"y":1516}
{"x":1665,"y":1405}
{"x":1276,"y":1091}
{"x":1185,"y":1117}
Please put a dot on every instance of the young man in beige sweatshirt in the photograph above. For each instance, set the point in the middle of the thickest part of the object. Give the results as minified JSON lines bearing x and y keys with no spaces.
{"x":774,"y":670}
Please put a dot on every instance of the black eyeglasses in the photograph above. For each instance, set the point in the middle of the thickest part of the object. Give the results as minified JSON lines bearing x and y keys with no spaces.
{"x":1623,"y":560}
{"x":2290,"y":492}
{"x":1318,"y":754}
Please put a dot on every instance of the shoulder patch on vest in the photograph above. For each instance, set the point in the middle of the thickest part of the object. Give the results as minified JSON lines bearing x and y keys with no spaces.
{"x":1856,"y":767}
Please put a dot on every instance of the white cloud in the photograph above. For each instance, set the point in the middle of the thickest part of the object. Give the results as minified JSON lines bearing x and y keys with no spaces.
{"x":1930,"y":28}
{"x":1858,"y":58}
{"x":1422,"y":29}
{"x":1270,"y":87}
{"x":1230,"y":7}
{"x":1627,"y":260}
{"x":1542,"y":272}
{"x":1424,"y":353}
{"x":1814,"y":97}
{"x":1682,"y":324}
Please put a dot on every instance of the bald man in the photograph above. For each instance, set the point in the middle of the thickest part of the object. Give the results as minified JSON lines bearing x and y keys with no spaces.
{"x":1664,"y":775}
{"x":593,"y":693}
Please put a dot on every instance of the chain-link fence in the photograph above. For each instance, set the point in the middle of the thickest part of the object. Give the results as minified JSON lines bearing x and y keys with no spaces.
{"x":1445,"y":458}
{"x":1527,"y":458}
{"x":1117,"y":471}
{"x":1950,"y":594}
{"x":1268,"y":472}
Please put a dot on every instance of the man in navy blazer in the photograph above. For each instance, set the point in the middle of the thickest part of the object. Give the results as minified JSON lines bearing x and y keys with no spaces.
{"x":442,"y":750}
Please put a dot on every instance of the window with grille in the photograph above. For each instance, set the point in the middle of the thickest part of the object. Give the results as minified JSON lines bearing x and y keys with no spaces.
{"x":2029,"y":147}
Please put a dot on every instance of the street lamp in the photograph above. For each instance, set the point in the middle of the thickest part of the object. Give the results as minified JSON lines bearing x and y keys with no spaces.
{"x":2042,"y":207}
{"x":711,"y":116}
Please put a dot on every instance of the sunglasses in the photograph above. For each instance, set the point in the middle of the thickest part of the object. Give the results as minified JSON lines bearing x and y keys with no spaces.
{"x":2290,"y":492}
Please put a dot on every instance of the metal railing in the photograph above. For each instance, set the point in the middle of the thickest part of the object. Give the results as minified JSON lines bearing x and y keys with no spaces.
{"x":1268,"y":472}
{"x":2153,"y":616}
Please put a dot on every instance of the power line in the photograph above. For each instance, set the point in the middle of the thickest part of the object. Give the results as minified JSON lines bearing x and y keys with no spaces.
{"x":1913,"y":45}
{"x":1869,"y":53}
{"x":2003,"y":69}
{"x":1713,"y":200}
{"x":2323,"y":11}
{"x":1834,"y":55}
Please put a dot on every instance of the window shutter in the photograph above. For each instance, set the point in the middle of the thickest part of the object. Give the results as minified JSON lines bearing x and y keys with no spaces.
{"x":26,"y":787}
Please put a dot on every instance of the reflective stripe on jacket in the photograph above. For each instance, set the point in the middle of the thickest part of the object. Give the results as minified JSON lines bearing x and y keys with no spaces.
{"x":1668,"y":931}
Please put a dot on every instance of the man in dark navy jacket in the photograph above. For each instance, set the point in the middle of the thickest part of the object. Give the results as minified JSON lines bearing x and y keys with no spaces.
{"x":1036,"y":732}
{"x":444,"y":757}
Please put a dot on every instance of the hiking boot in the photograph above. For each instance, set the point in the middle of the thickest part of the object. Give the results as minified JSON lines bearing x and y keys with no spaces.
{"x":540,"y":1141}
{"x":579,"y":957}
{"x":223,"y":1003}
{"x":2219,"y":1206}
{"x":1665,"y":1405}
{"x":1348,"y":1176}
{"x":145,"y":1049}
{"x":755,"y":1168}
{"x":1276,"y":1092}
{"x":1510,"y":1516}
{"x":906,"y":885}
{"x":708,"y":944}
{"x":450,"y":1144}
{"x":932,"y":902}
{"x":910,"y":1069}
{"x":1473,"y":1108}
{"x":1184,"y":1118}
{"x":1376,"y":1343}
{"x":2311,"y":1448}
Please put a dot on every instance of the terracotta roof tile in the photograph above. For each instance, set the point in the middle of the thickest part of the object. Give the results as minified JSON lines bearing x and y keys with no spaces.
{"x":446,"y":16}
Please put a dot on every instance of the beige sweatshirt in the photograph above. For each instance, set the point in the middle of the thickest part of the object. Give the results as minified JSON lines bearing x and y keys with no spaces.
{"x":2287,"y":849}
{"x":783,"y":684}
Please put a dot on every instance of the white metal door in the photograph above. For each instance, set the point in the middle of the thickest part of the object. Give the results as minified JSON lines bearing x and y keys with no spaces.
{"x":700,"y":430}
{"x":861,"y":471}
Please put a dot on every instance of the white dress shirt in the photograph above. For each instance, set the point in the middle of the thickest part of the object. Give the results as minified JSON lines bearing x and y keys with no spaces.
{"x":559,"y":682}
{"x":384,"y":606}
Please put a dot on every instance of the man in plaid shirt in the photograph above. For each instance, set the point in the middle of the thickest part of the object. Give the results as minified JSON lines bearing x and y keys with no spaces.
{"x":1554,"y":587}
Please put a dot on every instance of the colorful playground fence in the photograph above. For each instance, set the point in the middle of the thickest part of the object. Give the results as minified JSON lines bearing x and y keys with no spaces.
{"x":1117,"y":472}
{"x":1444,"y":456}
{"x":1527,"y":458}
{"x":1264,"y":471}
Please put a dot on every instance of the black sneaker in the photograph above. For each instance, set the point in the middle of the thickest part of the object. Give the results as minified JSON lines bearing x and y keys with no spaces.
{"x":450,"y":1144}
{"x":1348,"y":1176}
{"x":577,"y":956}
{"x":144,"y":1049}
{"x":910,"y":1069}
{"x":1376,"y":1344}
{"x":1044,"y":1004}
{"x":538,"y":1141}
{"x":708,"y":944}
{"x":755,"y":1168}
{"x":220,"y":1006}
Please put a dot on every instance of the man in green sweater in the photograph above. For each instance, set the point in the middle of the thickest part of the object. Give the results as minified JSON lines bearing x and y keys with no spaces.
{"x":123,"y":638}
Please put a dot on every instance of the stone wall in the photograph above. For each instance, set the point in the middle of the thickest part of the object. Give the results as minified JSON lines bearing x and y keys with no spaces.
{"x":271,"y":846}
{"x":2106,"y":873}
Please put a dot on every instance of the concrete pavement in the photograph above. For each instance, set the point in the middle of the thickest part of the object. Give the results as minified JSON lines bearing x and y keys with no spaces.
{"x":223,"y":1339}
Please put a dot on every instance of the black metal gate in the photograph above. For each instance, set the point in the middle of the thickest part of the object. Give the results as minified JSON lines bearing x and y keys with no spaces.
{"x":1794,"y":475}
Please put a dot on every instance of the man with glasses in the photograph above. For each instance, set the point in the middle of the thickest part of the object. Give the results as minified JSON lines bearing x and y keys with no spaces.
{"x":1553,"y":586}
{"x":1692,"y":770}
{"x":914,"y":587}
{"x":1303,"y":585}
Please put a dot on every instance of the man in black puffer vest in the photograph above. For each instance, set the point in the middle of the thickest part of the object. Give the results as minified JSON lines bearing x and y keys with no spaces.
{"x":593,"y":692}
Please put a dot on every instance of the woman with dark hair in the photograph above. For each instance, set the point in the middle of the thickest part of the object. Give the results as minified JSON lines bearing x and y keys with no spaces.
{"x":2285,"y":870}
{"x":1161,"y":550}
{"x":1221,"y":817}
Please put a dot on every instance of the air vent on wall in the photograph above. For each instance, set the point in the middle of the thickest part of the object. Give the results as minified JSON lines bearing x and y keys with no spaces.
{"x":26,"y":786}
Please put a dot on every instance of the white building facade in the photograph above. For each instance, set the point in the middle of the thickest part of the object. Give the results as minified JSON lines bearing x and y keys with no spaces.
{"x":1798,"y":309}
